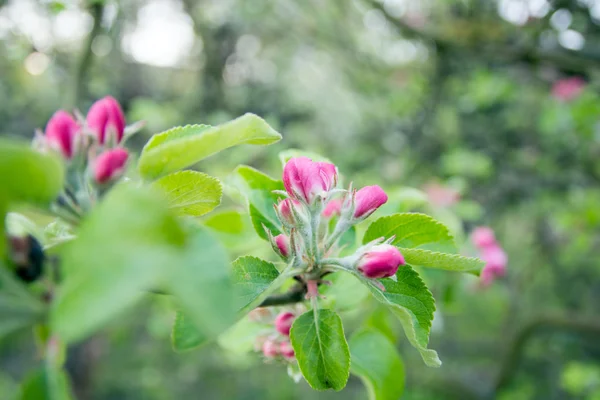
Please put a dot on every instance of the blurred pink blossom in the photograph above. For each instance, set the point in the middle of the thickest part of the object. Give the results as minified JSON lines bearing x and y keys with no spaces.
{"x":567,"y":89}
{"x":440,"y":195}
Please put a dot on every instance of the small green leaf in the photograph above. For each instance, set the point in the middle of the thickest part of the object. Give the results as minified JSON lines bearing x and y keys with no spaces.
{"x":412,"y":230}
{"x":182,"y":147}
{"x":377,"y":362}
{"x":321,"y":349}
{"x":449,"y":262}
{"x":185,"y":336}
{"x":45,"y":384}
{"x":27,"y":175}
{"x":412,"y":302}
{"x":252,"y":277}
{"x":258,"y":189}
{"x":125,"y":246}
{"x":190,"y":192}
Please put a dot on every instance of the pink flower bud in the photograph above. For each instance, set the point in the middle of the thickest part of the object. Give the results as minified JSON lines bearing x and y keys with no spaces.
{"x":283,"y":244}
{"x":284,"y":207}
{"x":334,"y":207}
{"x":305,"y":180}
{"x":110,"y":165}
{"x":270,"y":349}
{"x":286,"y":350}
{"x":368,"y":199}
{"x":381,"y":261}
{"x":568,"y":88}
{"x":61,"y":131}
{"x":483,"y":236}
{"x":495,"y":258}
{"x":105,"y":118}
{"x":283,"y":323}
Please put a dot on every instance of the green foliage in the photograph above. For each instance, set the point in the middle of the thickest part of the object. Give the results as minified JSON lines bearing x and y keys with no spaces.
{"x":124,"y":247}
{"x":258,"y":189}
{"x":412,"y":230}
{"x":185,"y":335}
{"x":321,"y":349}
{"x":252,"y":277}
{"x":412,"y":302}
{"x":376,"y":361}
{"x":18,"y":307}
{"x":449,"y":262}
{"x":227,"y":221}
{"x":190,"y":192}
{"x":46,"y":384}
{"x":182,"y":147}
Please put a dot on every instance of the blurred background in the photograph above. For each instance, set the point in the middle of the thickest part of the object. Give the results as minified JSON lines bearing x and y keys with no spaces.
{"x":493,"y":101}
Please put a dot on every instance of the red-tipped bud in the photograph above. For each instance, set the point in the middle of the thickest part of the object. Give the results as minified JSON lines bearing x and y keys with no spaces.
{"x":381,"y":261}
{"x":284,"y":207}
{"x":305,"y":180}
{"x":286,"y":350}
{"x":110,"y":164}
{"x":106,"y":118}
{"x":283,"y":244}
{"x":368,"y":199}
{"x":270,"y":348}
{"x":483,"y":236}
{"x":334,"y":207}
{"x":61,"y":131}
{"x":283,"y":323}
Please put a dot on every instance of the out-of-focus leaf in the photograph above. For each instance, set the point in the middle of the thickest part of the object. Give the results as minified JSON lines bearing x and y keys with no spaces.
{"x":229,"y":221}
{"x":377,"y":362}
{"x":18,"y":307}
{"x":185,"y":335}
{"x":449,"y":262}
{"x":182,"y":147}
{"x":252,"y":277}
{"x":44,"y":384}
{"x":190,"y":192}
{"x":321,"y":349}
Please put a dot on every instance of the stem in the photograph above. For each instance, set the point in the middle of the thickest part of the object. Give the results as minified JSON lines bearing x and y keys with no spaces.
{"x":314,"y":227}
{"x":341,"y":227}
{"x":295,"y":295}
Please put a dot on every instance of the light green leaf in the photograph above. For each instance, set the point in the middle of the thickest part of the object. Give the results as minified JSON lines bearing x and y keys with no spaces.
{"x":252,"y":277}
{"x":258,"y":190}
{"x":27,"y":175}
{"x":190,"y":192}
{"x":285,"y":156}
{"x":449,"y":262}
{"x":180,"y":148}
{"x":185,"y":336}
{"x":377,"y":362}
{"x":241,"y":337}
{"x":202,"y":284}
{"x":412,"y":230}
{"x":125,"y":246}
{"x":229,"y":222}
{"x":412,"y":302}
{"x":321,"y":349}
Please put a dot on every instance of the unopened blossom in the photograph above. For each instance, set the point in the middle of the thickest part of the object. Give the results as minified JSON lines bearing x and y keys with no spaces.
{"x":286,"y":350}
{"x":284,"y":208}
{"x":567,"y":89}
{"x":305,"y":180}
{"x":367,"y":200}
{"x":105,"y":119}
{"x":283,"y":323}
{"x":61,"y":133}
{"x":283,"y":244}
{"x":381,"y":261}
{"x":334,"y":207}
{"x":110,"y":165}
{"x":483,"y":236}
{"x":270,"y":348}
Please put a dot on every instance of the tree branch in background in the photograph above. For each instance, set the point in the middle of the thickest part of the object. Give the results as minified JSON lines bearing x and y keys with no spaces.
{"x":295,"y":295}
{"x":78,"y":84}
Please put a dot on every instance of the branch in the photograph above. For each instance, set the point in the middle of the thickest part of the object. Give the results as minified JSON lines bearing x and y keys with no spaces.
{"x":295,"y":295}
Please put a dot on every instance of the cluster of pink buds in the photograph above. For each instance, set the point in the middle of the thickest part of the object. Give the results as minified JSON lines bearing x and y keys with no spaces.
{"x":494,"y":256}
{"x":276,"y":344}
{"x":315,"y":214}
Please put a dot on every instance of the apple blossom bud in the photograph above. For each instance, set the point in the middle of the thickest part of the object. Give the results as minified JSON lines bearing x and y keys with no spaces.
{"x":334,"y":207}
{"x":367,"y":200}
{"x":283,"y":244}
{"x":110,"y":165}
{"x":306,"y":180}
{"x":270,"y":348}
{"x":483,"y":236}
{"x":286,"y":350}
{"x":381,"y":261}
{"x":283,"y":323}
{"x":106,"y":118}
{"x":495,"y":258}
{"x":284,"y":208}
{"x":568,"y":88}
{"x":61,"y":131}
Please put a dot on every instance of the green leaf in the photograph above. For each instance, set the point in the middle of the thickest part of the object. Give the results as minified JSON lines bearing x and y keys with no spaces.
{"x":125,"y":246}
{"x":18,"y":307}
{"x":449,"y":262}
{"x":182,"y":147}
{"x":412,"y":230}
{"x":377,"y":362}
{"x":27,"y":175}
{"x":45,"y":384}
{"x":252,"y":277}
{"x":202,"y":284}
{"x":185,"y":336}
{"x":321,"y":349}
{"x":412,"y":302}
{"x":229,"y":221}
{"x":258,"y":189}
{"x":191,"y":192}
